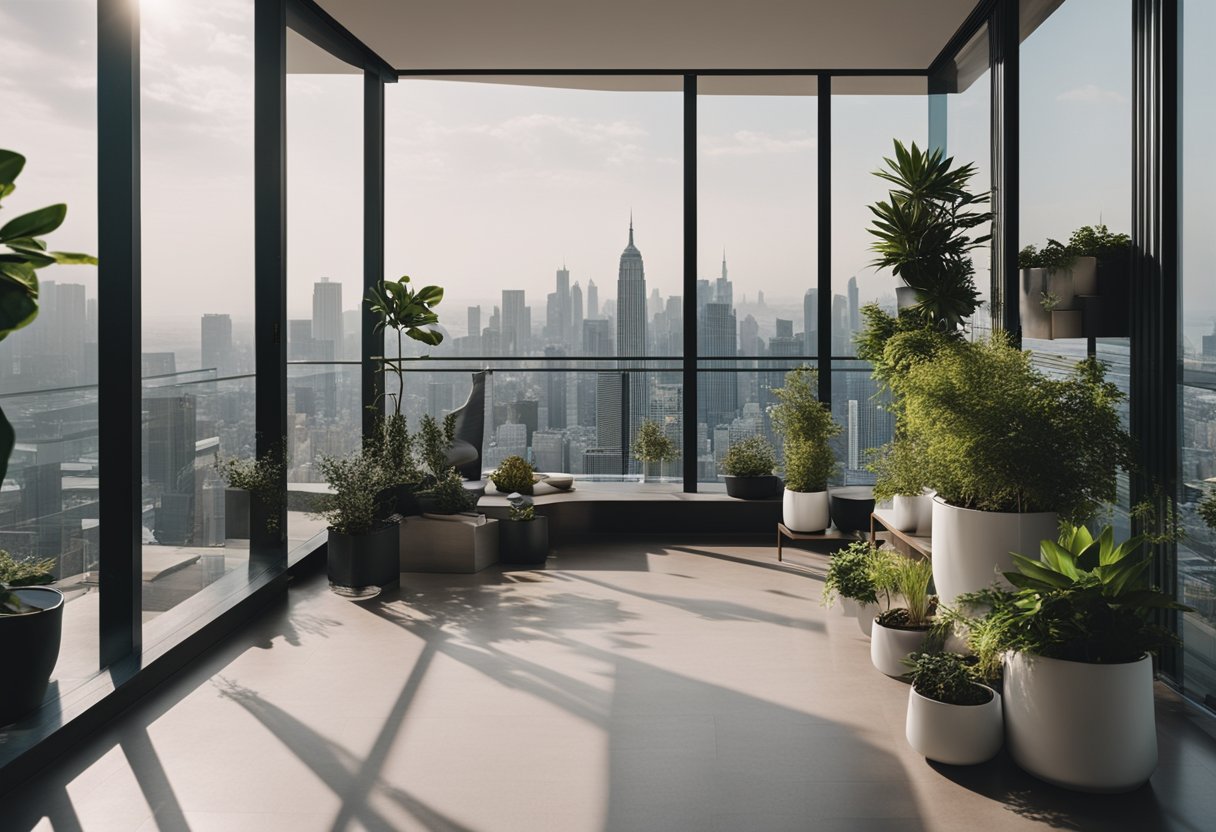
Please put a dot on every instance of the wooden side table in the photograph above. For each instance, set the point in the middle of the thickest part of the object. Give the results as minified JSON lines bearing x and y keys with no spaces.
{"x":784,"y":531}
{"x":906,"y":542}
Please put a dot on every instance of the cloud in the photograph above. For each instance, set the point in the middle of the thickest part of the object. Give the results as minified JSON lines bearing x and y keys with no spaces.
{"x":755,"y":143}
{"x":1092,"y":93}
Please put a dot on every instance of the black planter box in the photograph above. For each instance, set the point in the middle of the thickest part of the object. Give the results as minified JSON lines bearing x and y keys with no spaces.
{"x":524,"y":541}
{"x":236,"y":514}
{"x":753,"y":488}
{"x":851,"y":507}
{"x":364,"y":560}
{"x":31,"y":648}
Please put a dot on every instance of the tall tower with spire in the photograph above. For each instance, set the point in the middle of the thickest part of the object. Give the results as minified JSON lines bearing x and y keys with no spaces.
{"x":631,"y":341}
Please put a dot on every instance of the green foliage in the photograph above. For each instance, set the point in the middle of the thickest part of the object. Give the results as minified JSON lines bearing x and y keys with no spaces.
{"x":806,"y":426}
{"x":909,"y":578}
{"x":924,"y":233}
{"x":356,"y":502}
{"x":752,"y":456}
{"x":447,"y":495}
{"x":1084,"y":599}
{"x":15,"y":572}
{"x":946,"y":677}
{"x":395,"y":449}
{"x":1086,"y":241}
{"x":653,"y":445}
{"x":22,"y":253}
{"x":1053,"y":256}
{"x":1207,"y":508}
{"x":849,"y":575}
{"x":991,"y":433}
{"x":513,"y":475}
{"x":898,"y":474}
{"x":263,"y":477}
{"x":434,"y":440}
{"x":521,"y":508}
{"x":407,"y":312}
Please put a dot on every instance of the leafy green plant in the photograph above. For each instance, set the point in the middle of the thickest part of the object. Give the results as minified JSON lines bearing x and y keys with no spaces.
{"x":447,"y":495}
{"x":751,"y":456}
{"x":806,"y":426}
{"x":358,"y":482}
{"x":394,"y":448}
{"x":513,"y":475}
{"x":1207,"y":508}
{"x":898,"y":474}
{"x":849,"y":575}
{"x":434,"y":440}
{"x":925,"y":230}
{"x":946,"y":677}
{"x":29,"y":572}
{"x":408,"y":313}
{"x":1049,"y":301}
{"x":991,"y":433}
{"x":262,"y":477}
{"x":653,"y":445}
{"x":910,"y":579}
{"x":1053,"y":256}
{"x":521,"y":508}
{"x":1097,"y":241}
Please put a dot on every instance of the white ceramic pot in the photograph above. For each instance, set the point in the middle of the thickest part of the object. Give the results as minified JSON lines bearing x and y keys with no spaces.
{"x":905,"y":512}
{"x":972,"y":549}
{"x":924,"y":513}
{"x":1089,"y":727}
{"x":805,"y":511}
{"x":889,"y":647}
{"x":958,"y":735}
{"x":864,"y":613}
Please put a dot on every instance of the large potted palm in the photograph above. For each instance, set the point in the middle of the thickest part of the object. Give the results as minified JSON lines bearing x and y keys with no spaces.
{"x":806,"y":427}
{"x":31,"y":617}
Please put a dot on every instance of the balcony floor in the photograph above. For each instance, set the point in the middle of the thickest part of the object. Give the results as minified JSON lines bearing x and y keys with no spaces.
{"x":628,"y":686}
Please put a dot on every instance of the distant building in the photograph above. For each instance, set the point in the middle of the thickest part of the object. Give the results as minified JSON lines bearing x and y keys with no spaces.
{"x":216,"y":343}
{"x":327,"y":314}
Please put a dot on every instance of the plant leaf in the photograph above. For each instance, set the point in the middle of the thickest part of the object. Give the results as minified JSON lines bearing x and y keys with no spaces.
{"x":35,"y":223}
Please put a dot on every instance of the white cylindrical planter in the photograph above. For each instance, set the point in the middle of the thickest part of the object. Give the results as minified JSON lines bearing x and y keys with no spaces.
{"x":958,"y":735}
{"x":924,"y":513}
{"x":1089,"y":727}
{"x":864,"y":613}
{"x":973,"y":549}
{"x":905,"y":512}
{"x":805,"y":511}
{"x":889,"y":647}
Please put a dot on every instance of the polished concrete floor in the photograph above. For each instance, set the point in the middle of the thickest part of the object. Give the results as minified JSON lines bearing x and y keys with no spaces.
{"x":627,"y":686}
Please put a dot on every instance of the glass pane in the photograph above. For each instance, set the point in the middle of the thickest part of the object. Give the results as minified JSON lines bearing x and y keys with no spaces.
{"x":48,"y":370}
{"x":196,"y":103}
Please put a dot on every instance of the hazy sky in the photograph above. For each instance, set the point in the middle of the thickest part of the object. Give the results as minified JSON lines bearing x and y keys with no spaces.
{"x":491,"y":186}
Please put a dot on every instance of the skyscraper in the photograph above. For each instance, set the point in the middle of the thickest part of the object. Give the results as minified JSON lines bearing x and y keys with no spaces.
{"x":327,"y":314}
{"x":563,"y":334}
{"x":810,"y":322}
{"x":576,"y":316}
{"x":854,"y":307}
{"x":717,"y":335}
{"x":555,"y":389}
{"x":597,"y":341}
{"x":516,"y":323}
{"x":217,"y":343}
{"x":842,"y":339}
{"x":631,"y":331}
{"x":593,"y":301}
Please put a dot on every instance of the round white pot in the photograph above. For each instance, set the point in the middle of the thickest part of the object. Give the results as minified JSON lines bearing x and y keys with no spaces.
{"x":905,"y":512}
{"x":958,"y":735}
{"x":889,"y":647}
{"x":805,"y":511}
{"x":972,"y":549}
{"x":1089,"y":727}
{"x":864,"y":613}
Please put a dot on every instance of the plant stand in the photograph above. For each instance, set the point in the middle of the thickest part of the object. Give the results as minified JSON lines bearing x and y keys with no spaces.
{"x":458,"y":545}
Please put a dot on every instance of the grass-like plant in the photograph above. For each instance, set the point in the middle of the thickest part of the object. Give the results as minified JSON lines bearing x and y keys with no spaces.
{"x":909,"y":578}
{"x":513,"y":475}
{"x":751,"y":456}
{"x":806,"y":427}
{"x":358,"y":483}
{"x":850,"y":575}
{"x":946,"y":677}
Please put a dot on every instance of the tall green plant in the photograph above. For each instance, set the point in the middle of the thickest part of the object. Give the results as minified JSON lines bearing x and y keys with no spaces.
{"x":358,"y":483}
{"x":409,"y":313}
{"x":806,"y":427}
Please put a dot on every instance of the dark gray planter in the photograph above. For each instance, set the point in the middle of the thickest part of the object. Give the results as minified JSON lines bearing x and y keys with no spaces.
{"x":524,"y":541}
{"x":851,"y":507}
{"x":753,"y":488}
{"x":236,"y":514}
{"x":360,"y":564}
{"x":31,"y":648}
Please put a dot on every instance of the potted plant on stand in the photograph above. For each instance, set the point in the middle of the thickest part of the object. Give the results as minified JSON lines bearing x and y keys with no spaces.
{"x":31,"y":617}
{"x":652,"y":447}
{"x":901,"y":481}
{"x":248,"y":478}
{"x":806,"y":427}
{"x":901,"y":631}
{"x":363,"y":549}
{"x":747,"y":469}
{"x":850,"y":578}
{"x":524,"y":536}
{"x":953,"y":717}
{"x":1076,"y":638}
{"x":514,"y":475}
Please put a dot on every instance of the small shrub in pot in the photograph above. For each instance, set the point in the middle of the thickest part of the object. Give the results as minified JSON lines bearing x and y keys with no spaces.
{"x":748,"y":467}
{"x":952,"y":717}
{"x":513,"y":475}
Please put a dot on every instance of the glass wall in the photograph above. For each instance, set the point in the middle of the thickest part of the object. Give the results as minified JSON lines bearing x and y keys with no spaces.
{"x":1197,"y":395}
{"x":197,"y":169}
{"x":48,"y":370}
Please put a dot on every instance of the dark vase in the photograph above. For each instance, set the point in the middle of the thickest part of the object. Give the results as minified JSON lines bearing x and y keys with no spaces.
{"x":360,"y":564}
{"x":31,"y":648}
{"x":523,"y":541}
{"x":236,"y":514}
{"x":851,"y":507}
{"x":753,"y":488}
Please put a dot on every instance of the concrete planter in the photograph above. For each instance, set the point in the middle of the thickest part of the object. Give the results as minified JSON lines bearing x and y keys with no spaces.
{"x":805,"y":511}
{"x":958,"y":735}
{"x":454,"y":545}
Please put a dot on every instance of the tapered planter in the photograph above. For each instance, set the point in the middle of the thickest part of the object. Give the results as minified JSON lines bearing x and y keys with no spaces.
{"x":864,"y":613}
{"x":973,"y":549}
{"x":905,"y":297}
{"x":360,"y":565}
{"x":889,"y":646}
{"x":805,"y":511}
{"x":31,"y":648}
{"x":752,"y":488}
{"x":850,"y":507}
{"x":524,"y":542}
{"x":1089,"y":727}
{"x":236,"y":514}
{"x":958,"y":735}
{"x":905,"y":512}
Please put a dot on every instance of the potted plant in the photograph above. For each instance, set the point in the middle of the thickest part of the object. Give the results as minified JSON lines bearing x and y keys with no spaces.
{"x":31,"y":617}
{"x":449,"y":535}
{"x":806,"y":427}
{"x":1009,"y":451}
{"x":246,"y":478}
{"x":901,"y":481}
{"x":652,"y":447}
{"x":513,"y":475}
{"x":524,"y":537}
{"x":747,"y":469}
{"x":901,"y":631}
{"x":363,"y":549}
{"x":1076,"y":638}
{"x":1206,"y":509}
{"x":850,"y":578}
{"x":1076,"y":289}
{"x":395,"y":450}
{"x":953,"y":718}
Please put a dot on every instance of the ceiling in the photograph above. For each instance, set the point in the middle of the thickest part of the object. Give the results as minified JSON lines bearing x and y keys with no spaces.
{"x":653,"y":34}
